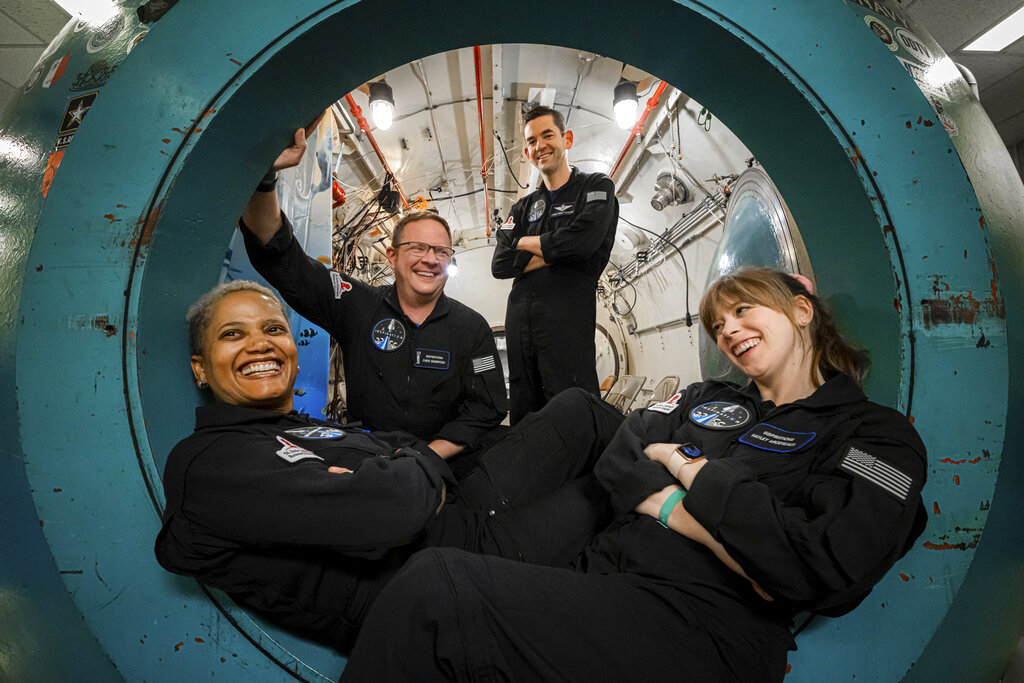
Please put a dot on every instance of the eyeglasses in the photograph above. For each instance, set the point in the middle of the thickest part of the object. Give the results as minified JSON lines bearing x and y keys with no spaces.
{"x":419,"y":250}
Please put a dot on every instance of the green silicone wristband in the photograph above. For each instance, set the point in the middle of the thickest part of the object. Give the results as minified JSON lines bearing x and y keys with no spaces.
{"x":669,"y":505}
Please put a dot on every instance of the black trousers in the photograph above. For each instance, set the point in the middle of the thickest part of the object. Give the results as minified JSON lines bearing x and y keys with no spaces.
{"x":532,"y":497}
{"x":453,"y":616}
{"x":549,"y":328}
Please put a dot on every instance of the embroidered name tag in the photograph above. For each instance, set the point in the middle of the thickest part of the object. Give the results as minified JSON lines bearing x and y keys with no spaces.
{"x":340,"y":286}
{"x":293,"y":453}
{"x":431,"y":358}
{"x":597,"y":196}
{"x":561,"y":210}
{"x":316,"y":432}
{"x":880,"y":473}
{"x":769,"y":438}
{"x":720,"y":415}
{"x":666,"y":406}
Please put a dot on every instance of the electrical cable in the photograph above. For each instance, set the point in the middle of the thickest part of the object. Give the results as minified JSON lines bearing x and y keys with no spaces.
{"x":686,"y":270}
{"x":507,"y":162}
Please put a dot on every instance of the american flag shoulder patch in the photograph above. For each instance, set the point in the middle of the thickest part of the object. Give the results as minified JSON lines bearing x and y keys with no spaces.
{"x":880,"y":473}
{"x":483,"y":364}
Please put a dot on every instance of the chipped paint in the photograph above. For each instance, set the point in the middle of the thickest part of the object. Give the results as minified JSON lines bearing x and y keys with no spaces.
{"x":950,"y":461}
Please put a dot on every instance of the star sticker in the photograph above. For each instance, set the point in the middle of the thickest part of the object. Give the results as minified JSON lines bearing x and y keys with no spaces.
{"x":77,"y":114}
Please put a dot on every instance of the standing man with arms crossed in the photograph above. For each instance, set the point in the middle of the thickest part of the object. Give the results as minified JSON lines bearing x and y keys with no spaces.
{"x":555,"y":244}
{"x":415,"y":360}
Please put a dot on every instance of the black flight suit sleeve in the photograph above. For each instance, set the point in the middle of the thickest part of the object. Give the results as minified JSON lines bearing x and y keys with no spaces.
{"x":624,"y":470}
{"x":508,"y":262}
{"x":304,"y":282}
{"x":842,"y":533}
{"x":484,"y":404}
{"x":260,"y":499}
{"x":583,"y":236}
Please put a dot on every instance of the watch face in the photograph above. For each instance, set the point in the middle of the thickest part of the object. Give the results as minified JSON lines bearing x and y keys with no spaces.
{"x":720,"y":415}
{"x":388,"y":334}
{"x":689,"y":451}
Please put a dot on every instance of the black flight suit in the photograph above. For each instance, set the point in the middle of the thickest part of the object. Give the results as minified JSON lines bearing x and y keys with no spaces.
{"x":551,"y":314}
{"x":816,"y":500}
{"x":439,"y":380}
{"x":253,"y":510}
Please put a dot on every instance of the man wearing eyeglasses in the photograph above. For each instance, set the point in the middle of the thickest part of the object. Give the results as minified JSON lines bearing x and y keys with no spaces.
{"x":415,"y":360}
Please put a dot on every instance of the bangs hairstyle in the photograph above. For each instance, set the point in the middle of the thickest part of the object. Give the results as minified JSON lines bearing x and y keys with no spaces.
{"x":199,"y":313}
{"x":832,"y":351}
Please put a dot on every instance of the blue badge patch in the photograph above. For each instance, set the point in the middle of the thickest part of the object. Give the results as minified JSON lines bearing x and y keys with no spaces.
{"x":720,"y":415}
{"x":769,"y":438}
{"x":388,"y":334}
{"x":431,"y":358}
{"x":561,"y":209}
{"x":537,"y":210}
{"x":316,"y":432}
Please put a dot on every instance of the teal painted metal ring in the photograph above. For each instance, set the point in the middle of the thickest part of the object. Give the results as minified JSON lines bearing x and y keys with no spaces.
{"x":881,"y":199}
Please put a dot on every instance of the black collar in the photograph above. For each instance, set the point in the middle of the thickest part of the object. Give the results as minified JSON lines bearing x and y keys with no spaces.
{"x":441,"y":306}
{"x":226,"y":414}
{"x":837,"y":390}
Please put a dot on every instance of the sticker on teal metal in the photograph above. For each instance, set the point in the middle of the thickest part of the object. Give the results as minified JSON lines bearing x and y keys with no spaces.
{"x":882,"y":31}
{"x":76,"y":110}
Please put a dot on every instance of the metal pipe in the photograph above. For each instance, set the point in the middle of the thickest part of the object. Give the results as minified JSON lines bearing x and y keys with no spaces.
{"x":638,"y":127}
{"x":365,"y":127}
{"x":675,"y":322}
{"x":483,"y":141}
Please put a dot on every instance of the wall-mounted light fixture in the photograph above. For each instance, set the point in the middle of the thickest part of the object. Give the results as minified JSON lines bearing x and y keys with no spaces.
{"x":625,"y":103}
{"x":382,"y":104}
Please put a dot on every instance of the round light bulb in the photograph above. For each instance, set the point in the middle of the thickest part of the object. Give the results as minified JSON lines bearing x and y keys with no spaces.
{"x":625,"y":113}
{"x":382,"y":112}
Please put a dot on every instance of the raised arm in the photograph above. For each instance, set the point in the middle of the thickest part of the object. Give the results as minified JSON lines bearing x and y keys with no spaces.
{"x":262,"y":215}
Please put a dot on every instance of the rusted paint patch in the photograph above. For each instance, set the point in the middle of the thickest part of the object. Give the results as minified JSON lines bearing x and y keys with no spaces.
{"x":935,"y":508}
{"x":179,"y":645}
{"x":101,"y":322}
{"x":143,"y":233}
{"x":199,"y":640}
{"x":112,"y":218}
{"x":936,"y":312}
{"x":950,"y":461}
{"x":956,"y":479}
{"x":945,"y":544}
{"x":983,"y":343}
{"x":904,"y":577}
{"x":39,"y":268}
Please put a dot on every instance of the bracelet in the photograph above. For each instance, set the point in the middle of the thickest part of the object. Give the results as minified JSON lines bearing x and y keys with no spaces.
{"x":669,"y":505}
{"x":269,"y":182}
{"x":672,"y":467}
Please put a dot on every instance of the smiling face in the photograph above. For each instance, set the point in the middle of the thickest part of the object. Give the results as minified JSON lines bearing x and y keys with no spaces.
{"x":420,"y":279}
{"x":767,"y":345}
{"x":248,"y":354}
{"x":546,"y":145}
